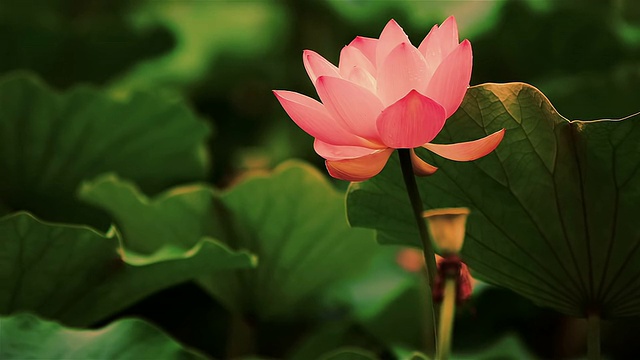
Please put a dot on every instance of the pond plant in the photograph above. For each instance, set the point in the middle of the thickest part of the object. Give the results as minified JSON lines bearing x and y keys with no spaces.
{"x":120,"y":240}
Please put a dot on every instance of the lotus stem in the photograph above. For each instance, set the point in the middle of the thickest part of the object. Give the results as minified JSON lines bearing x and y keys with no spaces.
{"x":447,"y":314}
{"x":240,"y":342}
{"x":593,"y":336}
{"x":427,"y":249}
{"x":416,"y":204}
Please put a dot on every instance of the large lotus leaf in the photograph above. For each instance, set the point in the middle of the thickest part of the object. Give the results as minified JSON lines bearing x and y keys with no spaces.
{"x":509,"y":347}
{"x":552,"y":208}
{"x":50,"y":142}
{"x":293,"y":220}
{"x":24,"y":336}
{"x":79,"y":276}
{"x":349,"y":353}
{"x":178,"y":217}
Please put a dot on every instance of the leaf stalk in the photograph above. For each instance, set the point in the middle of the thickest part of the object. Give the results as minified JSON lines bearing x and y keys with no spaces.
{"x":593,"y":336}
{"x":416,"y":205}
{"x":427,"y":249}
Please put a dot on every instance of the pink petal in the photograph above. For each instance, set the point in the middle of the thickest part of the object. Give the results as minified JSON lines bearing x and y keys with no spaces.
{"x":359,"y":169}
{"x":403,"y":70}
{"x":367,"y":46}
{"x":357,"y":107}
{"x":362,"y":78}
{"x":351,"y":57}
{"x":392,"y":35}
{"x":317,"y":66}
{"x":439,"y":42}
{"x":467,"y":151}
{"x":451,"y":80}
{"x":341,"y":152}
{"x":313,"y":118}
{"x":410,"y":120}
{"x":421,"y":167}
{"x":430,"y":52}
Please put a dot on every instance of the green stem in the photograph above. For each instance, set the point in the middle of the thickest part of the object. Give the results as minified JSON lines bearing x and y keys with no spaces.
{"x":416,"y":204}
{"x":447,"y":312}
{"x":427,"y":249}
{"x":593,"y":336}
{"x":240,"y":342}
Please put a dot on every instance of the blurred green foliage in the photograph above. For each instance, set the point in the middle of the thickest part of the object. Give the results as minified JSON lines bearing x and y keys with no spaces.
{"x":28,"y":337}
{"x":166,"y":68}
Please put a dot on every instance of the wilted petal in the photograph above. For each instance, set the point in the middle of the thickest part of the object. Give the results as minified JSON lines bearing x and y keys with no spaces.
{"x":317,"y":66}
{"x":359,"y":169}
{"x":367,"y":46}
{"x":410,"y":120}
{"x":351,"y":57}
{"x":357,"y":107}
{"x":467,"y":151}
{"x":421,"y":167}
{"x":392,"y":35}
{"x":341,"y":152}
{"x":450,"y":81}
{"x":313,"y":118}
{"x":403,"y":70}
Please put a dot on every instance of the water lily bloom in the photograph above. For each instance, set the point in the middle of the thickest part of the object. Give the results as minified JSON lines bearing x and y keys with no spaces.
{"x":386,"y":94}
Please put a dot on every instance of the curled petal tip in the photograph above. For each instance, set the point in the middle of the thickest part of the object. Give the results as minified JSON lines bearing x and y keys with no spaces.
{"x":470,"y":150}
{"x":359,"y":169}
{"x":421,"y":167}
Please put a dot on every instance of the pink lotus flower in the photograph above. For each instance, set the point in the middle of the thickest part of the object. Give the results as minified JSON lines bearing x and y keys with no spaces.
{"x":386,"y":94}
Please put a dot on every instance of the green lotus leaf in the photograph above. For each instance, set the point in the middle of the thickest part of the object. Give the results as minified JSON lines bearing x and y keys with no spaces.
{"x":50,"y":142}
{"x":292,"y":219}
{"x":78,"y":276}
{"x":509,"y":347}
{"x":25,"y":336}
{"x":552,"y":208}
{"x":349,"y":353}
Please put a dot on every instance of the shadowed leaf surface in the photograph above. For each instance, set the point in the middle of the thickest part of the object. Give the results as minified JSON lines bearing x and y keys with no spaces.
{"x":552,"y":209}
{"x":79,"y":276}
{"x":25,"y":336}
{"x":50,"y":142}
{"x":292,"y":219}
{"x":348,"y":353}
